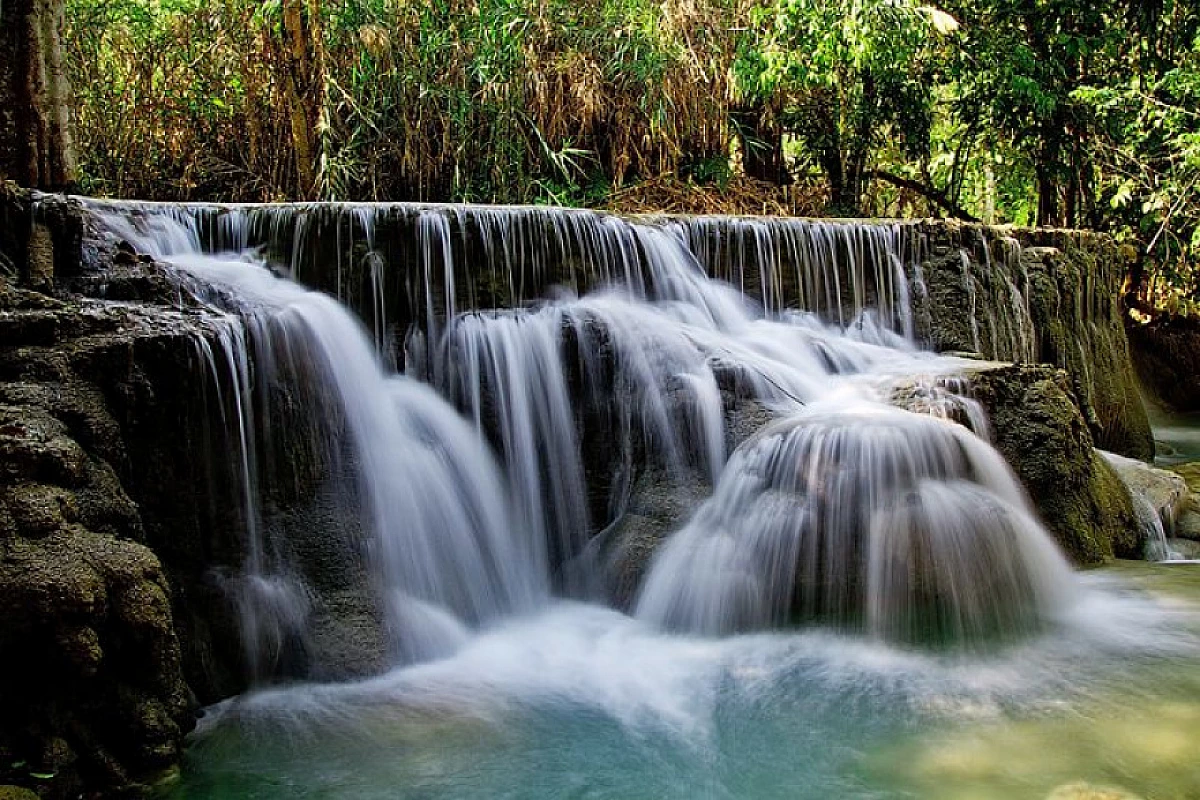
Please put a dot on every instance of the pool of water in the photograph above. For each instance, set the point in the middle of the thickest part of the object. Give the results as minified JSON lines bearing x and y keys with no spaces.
{"x":1176,"y":436}
{"x":583,"y":702}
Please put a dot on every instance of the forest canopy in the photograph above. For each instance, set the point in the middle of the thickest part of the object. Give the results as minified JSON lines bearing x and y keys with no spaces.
{"x":1050,"y":112}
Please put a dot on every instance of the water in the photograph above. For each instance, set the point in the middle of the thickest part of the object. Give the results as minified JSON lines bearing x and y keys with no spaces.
{"x":584,"y":702}
{"x":902,"y":521}
{"x":862,"y":581}
{"x":443,"y":548}
{"x":1176,"y":436}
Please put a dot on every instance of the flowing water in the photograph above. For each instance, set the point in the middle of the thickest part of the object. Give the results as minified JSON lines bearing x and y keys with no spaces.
{"x":864,"y":606}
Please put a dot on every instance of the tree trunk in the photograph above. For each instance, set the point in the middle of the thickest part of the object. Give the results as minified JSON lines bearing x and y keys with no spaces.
{"x":35,"y":114}
{"x":304,"y":84}
{"x":762,"y":145}
{"x":1047,"y":188}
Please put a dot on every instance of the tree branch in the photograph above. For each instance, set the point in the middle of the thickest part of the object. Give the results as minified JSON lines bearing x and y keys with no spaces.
{"x":928,"y":192}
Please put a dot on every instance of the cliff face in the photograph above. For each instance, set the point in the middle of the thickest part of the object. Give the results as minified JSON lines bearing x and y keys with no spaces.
{"x":92,"y":684}
{"x":1037,"y":296}
{"x":109,"y":619}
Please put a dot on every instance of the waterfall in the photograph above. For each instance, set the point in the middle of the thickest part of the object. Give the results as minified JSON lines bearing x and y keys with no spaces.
{"x":443,"y":546}
{"x":904,"y":524}
{"x":551,"y":356}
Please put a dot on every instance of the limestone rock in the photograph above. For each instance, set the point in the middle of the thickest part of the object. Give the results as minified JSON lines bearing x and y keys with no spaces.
{"x":95,"y":694}
{"x":1184,"y":548}
{"x":1188,"y":525}
{"x":658,"y":505}
{"x":1165,"y":492}
{"x":1069,"y":314}
{"x":1038,"y":427}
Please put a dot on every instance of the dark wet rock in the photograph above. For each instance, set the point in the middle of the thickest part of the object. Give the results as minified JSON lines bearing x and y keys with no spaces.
{"x":97,"y":697}
{"x":1038,"y":427}
{"x":1166,"y":354}
{"x":660,"y":501}
{"x":347,"y":636}
{"x":659,"y":504}
{"x":743,"y":419}
{"x":94,"y":398}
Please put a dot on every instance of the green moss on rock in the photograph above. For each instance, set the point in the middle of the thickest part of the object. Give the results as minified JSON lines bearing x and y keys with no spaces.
{"x":1069,"y":314}
{"x":17,"y":793}
{"x":1038,"y":427}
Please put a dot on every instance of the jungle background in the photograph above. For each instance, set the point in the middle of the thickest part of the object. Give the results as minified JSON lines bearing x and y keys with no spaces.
{"x":1063,"y":113}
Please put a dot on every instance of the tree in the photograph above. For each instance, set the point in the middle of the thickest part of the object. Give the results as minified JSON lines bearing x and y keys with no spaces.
{"x":35,"y":118}
{"x":843,"y":74}
{"x":1022,"y":60}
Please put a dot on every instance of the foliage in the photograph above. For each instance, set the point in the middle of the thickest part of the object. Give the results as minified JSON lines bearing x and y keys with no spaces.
{"x":1054,"y":112}
{"x":495,"y":100}
{"x":844,"y":72}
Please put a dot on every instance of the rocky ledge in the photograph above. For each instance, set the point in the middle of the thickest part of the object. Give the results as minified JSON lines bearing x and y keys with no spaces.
{"x":92,"y":688}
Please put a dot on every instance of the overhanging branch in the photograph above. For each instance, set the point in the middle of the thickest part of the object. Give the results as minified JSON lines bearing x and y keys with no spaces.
{"x":928,"y":192}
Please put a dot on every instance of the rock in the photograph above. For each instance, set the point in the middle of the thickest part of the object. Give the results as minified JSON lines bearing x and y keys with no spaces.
{"x":1184,"y":548}
{"x":743,"y":419}
{"x":1165,"y":492}
{"x":1070,"y":315}
{"x":97,"y":696}
{"x":658,"y":505}
{"x":1038,"y":427}
{"x":1166,"y":354}
{"x":1190,"y":472}
{"x":1188,"y":525}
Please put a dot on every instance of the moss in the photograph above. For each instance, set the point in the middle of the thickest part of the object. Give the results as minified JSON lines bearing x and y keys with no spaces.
{"x":1040,"y":430}
{"x":36,"y":509}
{"x":1070,"y":284}
{"x":17,"y":793}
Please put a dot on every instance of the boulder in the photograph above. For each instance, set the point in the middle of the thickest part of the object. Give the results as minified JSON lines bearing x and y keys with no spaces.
{"x":1038,"y":427}
{"x":1163,"y":491}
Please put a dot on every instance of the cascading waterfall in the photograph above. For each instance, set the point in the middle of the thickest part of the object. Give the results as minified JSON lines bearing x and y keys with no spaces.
{"x":904,"y":524}
{"x":518,"y":385}
{"x":848,"y":510}
{"x":444,"y":549}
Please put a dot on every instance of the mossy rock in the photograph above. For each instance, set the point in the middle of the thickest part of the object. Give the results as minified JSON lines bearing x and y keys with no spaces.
{"x":1070,"y":284}
{"x":1039,"y":429}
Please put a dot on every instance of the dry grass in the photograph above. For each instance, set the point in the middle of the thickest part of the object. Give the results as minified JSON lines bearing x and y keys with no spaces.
{"x":740,"y":195}
{"x":489,"y":100}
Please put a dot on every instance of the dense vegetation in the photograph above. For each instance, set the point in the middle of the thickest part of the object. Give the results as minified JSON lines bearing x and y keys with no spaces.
{"x":1055,"y":112}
